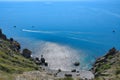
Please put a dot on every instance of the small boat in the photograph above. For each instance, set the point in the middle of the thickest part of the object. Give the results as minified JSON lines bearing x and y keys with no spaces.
{"x":113,"y":31}
{"x":14,"y":26}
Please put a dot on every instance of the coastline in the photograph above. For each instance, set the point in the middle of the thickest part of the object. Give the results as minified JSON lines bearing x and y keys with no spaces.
{"x":41,"y":64}
{"x":40,"y":68}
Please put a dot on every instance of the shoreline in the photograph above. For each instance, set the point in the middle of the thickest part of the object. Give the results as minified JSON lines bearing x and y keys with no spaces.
{"x":42,"y":69}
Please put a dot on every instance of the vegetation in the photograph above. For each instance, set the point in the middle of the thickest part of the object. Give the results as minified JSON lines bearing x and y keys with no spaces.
{"x":11,"y":60}
{"x":108,"y":66}
{"x":117,"y":72}
{"x":67,"y":78}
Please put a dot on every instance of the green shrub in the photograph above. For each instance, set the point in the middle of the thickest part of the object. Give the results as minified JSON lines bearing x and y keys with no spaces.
{"x":106,"y":66}
{"x":117,"y":71}
{"x":110,"y":57}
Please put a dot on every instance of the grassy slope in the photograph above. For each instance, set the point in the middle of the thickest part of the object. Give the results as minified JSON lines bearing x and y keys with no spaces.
{"x":12,"y":63}
{"x":109,"y":70}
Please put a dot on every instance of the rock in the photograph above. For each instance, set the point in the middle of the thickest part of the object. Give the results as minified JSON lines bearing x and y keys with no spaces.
{"x":74,"y":70}
{"x":26,"y":53}
{"x":42,"y":59}
{"x":0,"y":31}
{"x":112,"y":51}
{"x":59,"y":70}
{"x":11,"y":39}
{"x":68,"y":75}
{"x":46,"y":64}
{"x":38,"y":62}
{"x":37,"y":59}
{"x":2,"y":36}
{"x":76,"y":63}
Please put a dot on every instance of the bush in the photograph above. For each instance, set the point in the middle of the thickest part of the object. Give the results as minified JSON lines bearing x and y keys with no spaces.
{"x":117,"y":71}
{"x":110,"y":57}
{"x":106,"y":66}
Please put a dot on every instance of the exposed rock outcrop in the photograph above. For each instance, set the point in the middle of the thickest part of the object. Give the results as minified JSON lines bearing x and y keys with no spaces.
{"x":2,"y":36}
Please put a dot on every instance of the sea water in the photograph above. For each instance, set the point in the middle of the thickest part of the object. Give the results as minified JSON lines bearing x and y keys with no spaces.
{"x":63,"y":32}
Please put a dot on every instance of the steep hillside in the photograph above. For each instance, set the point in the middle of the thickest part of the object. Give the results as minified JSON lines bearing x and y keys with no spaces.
{"x":11,"y":60}
{"x":108,"y":66}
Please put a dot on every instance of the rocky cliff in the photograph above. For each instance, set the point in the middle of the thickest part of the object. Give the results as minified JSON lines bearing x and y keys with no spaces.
{"x":108,"y":66}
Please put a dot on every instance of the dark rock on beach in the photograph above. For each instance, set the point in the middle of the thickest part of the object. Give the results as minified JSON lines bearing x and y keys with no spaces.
{"x":76,"y":63}
{"x":74,"y":70}
{"x":68,"y":75}
{"x":26,"y":53}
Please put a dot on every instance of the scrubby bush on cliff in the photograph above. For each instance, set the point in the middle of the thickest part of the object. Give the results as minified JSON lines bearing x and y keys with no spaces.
{"x":15,"y":46}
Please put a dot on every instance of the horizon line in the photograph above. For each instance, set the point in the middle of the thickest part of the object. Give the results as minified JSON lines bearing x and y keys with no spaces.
{"x":48,"y":0}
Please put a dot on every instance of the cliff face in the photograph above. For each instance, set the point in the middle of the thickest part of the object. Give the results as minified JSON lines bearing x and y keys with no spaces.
{"x":11,"y":60}
{"x":108,"y":66}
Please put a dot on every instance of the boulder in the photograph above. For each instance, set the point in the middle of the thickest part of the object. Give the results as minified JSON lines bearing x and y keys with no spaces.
{"x":59,"y":70}
{"x":37,"y":61}
{"x":74,"y":70}
{"x":46,"y":64}
{"x":76,"y":63}
{"x":42,"y":59}
{"x":26,"y":53}
{"x":68,"y":75}
{"x":11,"y":39}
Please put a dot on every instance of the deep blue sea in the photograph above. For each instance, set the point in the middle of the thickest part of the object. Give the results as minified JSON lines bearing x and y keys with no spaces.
{"x":64,"y":32}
